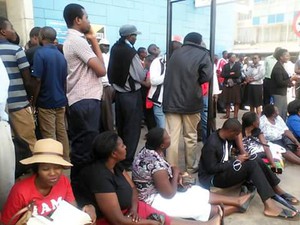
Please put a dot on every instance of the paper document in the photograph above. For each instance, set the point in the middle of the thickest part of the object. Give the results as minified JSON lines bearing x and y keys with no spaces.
{"x":64,"y":214}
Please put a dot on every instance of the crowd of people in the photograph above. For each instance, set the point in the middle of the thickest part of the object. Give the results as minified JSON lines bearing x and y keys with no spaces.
{"x":80,"y":105}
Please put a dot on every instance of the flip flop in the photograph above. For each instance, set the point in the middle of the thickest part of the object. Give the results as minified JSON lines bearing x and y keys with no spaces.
{"x":246,"y":205}
{"x":282,"y":201}
{"x":285,"y":214}
{"x":221,"y":212}
{"x":289,"y":198}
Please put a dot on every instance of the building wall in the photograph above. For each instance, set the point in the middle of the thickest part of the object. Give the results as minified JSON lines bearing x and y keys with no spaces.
{"x":148,"y":15}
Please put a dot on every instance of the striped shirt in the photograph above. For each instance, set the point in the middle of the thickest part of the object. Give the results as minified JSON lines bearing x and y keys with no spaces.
{"x":14,"y":60}
{"x":82,"y":81}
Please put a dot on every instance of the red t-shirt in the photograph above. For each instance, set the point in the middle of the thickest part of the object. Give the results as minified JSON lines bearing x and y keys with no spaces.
{"x":221,"y":63}
{"x":24,"y":191}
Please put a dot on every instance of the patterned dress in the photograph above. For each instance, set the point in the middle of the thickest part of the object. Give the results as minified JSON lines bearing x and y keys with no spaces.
{"x":146,"y":163}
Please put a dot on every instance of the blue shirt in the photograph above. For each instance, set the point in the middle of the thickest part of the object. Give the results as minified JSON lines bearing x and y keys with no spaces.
{"x":50,"y":66}
{"x":14,"y":60}
{"x":293,"y":123}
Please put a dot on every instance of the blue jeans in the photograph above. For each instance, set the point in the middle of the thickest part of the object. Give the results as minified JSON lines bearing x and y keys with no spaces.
{"x":204,"y":119}
{"x":159,"y":116}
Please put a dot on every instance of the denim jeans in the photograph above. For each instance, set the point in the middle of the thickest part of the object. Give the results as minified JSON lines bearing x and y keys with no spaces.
{"x":204,"y":118}
{"x":159,"y":116}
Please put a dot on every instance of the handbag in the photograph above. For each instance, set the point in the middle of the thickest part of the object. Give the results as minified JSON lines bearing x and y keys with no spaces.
{"x":289,"y":144}
{"x":26,"y":213}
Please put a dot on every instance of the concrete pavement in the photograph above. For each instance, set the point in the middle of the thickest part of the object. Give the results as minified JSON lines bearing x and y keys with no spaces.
{"x":290,"y":182}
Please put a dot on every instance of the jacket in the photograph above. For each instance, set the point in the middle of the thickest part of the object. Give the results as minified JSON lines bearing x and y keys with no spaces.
{"x":212,"y":160}
{"x":280,"y":80}
{"x":188,"y":68}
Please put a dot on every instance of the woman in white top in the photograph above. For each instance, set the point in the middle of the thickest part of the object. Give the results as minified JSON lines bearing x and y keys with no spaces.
{"x":254,"y":78}
{"x":274,"y":130}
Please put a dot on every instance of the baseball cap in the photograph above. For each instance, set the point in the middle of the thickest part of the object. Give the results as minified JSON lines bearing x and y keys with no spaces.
{"x":103,"y":41}
{"x":127,"y":30}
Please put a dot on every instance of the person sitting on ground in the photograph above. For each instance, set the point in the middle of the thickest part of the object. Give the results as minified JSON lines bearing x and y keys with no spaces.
{"x":46,"y":187}
{"x":157,"y":183}
{"x":251,"y":140}
{"x":217,"y":168}
{"x":109,"y":187}
{"x":293,"y":121}
{"x":276,"y":131}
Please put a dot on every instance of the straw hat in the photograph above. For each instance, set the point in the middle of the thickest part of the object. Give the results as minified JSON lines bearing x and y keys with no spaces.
{"x":47,"y":151}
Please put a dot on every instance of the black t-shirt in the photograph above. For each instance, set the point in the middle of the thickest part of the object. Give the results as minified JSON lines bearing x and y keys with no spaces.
{"x":96,"y":178}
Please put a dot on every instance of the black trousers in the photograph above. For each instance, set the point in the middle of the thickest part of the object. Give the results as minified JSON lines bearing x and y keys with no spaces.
{"x":128,"y":120}
{"x":83,"y":124}
{"x":266,"y":91}
{"x":256,"y":171}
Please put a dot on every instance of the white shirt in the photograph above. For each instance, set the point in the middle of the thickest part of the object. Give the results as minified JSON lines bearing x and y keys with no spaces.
{"x":272,"y":132}
{"x":104,"y":79}
{"x":4,"y":84}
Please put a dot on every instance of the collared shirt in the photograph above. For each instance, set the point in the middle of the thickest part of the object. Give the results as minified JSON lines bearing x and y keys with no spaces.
{"x":4,"y":84}
{"x":14,"y":60}
{"x":104,"y":79}
{"x":270,"y":62}
{"x":256,"y":72}
{"x":82,"y":81}
{"x":50,"y":66}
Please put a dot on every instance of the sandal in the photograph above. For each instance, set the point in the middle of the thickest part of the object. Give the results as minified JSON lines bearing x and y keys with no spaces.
{"x":285,"y":214}
{"x":289,"y":198}
{"x":246,"y":205}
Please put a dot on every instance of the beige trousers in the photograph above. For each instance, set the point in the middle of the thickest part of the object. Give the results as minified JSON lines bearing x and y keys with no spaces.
{"x":52,"y":125}
{"x":23,"y":126}
{"x":188,"y":124}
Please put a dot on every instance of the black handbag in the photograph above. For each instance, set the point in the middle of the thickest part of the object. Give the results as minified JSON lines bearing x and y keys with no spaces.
{"x":289,"y":144}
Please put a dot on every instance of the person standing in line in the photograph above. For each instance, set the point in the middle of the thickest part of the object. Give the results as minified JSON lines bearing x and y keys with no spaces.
{"x":188,"y":68}
{"x":297,"y":85}
{"x":232,"y":90}
{"x":50,"y":72}
{"x":280,"y":81}
{"x":254,"y":78}
{"x":108,"y":96}
{"x":220,"y":64}
{"x":20,"y":88}
{"x":157,"y":76}
{"x":32,"y":45}
{"x":7,"y":150}
{"x":85,"y":66}
{"x":126,"y":73}
{"x":270,"y":62}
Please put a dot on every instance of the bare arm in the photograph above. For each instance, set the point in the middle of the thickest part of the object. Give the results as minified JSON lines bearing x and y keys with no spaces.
{"x":97,"y":63}
{"x":36,"y":91}
{"x":267,"y":150}
{"x":109,"y":205}
{"x":166,"y":187}
{"x":290,"y":135}
{"x":239,"y":143}
{"x":27,"y":81}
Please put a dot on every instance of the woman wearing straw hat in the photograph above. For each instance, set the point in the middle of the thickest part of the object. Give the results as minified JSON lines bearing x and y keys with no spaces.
{"x":46,"y":187}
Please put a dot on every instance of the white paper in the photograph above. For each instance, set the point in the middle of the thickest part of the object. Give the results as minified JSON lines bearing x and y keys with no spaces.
{"x":64,"y":214}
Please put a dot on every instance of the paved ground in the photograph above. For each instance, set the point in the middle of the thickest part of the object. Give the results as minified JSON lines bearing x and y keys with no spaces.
{"x":290,"y":181}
